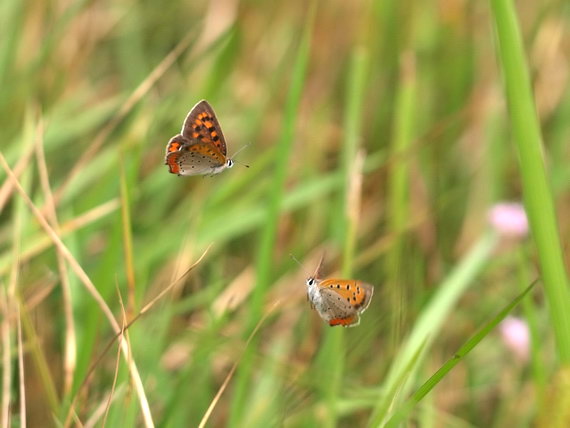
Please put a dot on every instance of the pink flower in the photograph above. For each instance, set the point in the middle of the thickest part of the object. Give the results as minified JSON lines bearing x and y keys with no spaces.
{"x":509,"y":219}
{"x":515,"y":335}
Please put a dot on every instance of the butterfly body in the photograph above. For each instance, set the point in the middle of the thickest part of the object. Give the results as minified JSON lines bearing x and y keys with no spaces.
{"x":200,"y":148}
{"x":339,"y":301}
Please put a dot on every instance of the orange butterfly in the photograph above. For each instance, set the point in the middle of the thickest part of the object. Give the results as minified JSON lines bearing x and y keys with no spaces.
{"x":339,"y":301}
{"x":200,"y":148}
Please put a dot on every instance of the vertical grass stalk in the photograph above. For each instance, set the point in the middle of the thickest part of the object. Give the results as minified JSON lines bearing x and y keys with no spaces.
{"x":536,"y":188}
{"x":352,"y":139}
{"x":330,"y":361}
{"x":398,"y":188}
{"x":428,"y":325}
{"x":264,"y":262}
{"x":127,"y":241}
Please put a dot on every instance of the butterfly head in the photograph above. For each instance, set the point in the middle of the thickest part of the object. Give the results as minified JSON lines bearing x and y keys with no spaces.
{"x":231,"y":162}
{"x":313,"y":293}
{"x":312,"y":283}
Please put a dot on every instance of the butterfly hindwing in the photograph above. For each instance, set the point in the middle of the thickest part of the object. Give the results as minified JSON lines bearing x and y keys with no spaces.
{"x":195,"y":158}
{"x":335,"y":307}
{"x":351,"y":321}
{"x":176,"y":144}
{"x":173,"y":148}
{"x":201,"y":124}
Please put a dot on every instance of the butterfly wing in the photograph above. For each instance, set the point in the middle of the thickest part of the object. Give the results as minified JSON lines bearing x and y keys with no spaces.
{"x":355,"y":292}
{"x":173,"y":148}
{"x":201,"y":124}
{"x":335,"y":309}
{"x":175,"y":143}
{"x":368,"y":292}
{"x":351,"y":321}
{"x":344,"y":300}
{"x":195,"y":158}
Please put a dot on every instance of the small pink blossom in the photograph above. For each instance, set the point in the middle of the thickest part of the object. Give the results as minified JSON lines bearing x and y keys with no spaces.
{"x":509,"y":219}
{"x":516,"y":336}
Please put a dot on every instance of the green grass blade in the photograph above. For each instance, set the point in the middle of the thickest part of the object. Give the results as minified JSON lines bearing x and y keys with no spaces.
{"x":536,"y":188}
{"x":266,"y":245}
{"x":458,"y":357}
{"x":331,"y":358}
{"x":530,"y":311}
{"x":430,"y":321}
{"x":398,"y":191}
{"x":352,"y":139}
{"x":276,"y":189}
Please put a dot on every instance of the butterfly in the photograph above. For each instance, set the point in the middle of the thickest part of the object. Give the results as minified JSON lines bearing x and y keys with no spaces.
{"x":200,"y":148}
{"x":339,"y":301}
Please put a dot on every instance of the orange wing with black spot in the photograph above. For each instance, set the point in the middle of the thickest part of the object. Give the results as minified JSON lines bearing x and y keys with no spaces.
{"x":173,"y":151}
{"x":194,"y":158}
{"x":357,"y":293}
{"x":201,"y":124}
{"x":343,"y":300}
{"x":176,"y":144}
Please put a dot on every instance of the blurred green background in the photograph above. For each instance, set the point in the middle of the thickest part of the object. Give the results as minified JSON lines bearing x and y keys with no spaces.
{"x":378,"y":134}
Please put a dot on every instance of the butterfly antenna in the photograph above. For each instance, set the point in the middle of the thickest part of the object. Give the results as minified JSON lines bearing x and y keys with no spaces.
{"x":300,"y":264}
{"x":236,"y":153}
{"x":319,"y":266}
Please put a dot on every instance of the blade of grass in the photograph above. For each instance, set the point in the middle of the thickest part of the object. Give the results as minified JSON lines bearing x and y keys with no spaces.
{"x":398,"y":192}
{"x":41,"y":243}
{"x":20,"y":218}
{"x":127,"y":239}
{"x":230,"y":374}
{"x":530,"y":311}
{"x":95,"y":420}
{"x":40,"y":359}
{"x":6,"y":358}
{"x":330,"y":361}
{"x":90,"y":287}
{"x":536,"y":188}
{"x":21,"y":372}
{"x":423,"y":390}
{"x":430,"y":321}
{"x":119,"y":334}
{"x":276,"y":192}
{"x":70,"y":343}
{"x":12,"y":13}
{"x":7,"y":186}
{"x":122,"y":336}
{"x":352,"y":177}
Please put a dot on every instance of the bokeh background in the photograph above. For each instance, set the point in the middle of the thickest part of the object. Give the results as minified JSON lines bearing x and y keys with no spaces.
{"x":378,"y":135}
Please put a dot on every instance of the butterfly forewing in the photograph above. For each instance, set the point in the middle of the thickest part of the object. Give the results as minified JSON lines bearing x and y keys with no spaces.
{"x":357,"y":293}
{"x":201,"y":124}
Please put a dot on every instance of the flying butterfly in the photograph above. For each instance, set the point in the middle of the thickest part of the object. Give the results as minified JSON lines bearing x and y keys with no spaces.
{"x":338,"y":301}
{"x":200,"y":148}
